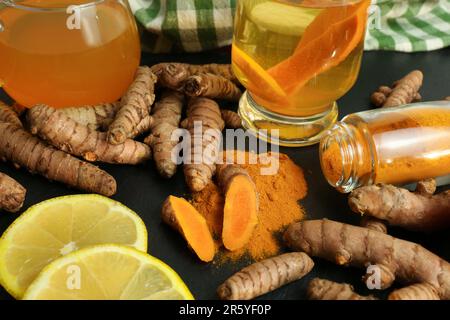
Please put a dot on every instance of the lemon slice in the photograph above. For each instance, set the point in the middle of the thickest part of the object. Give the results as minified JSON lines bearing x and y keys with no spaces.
{"x":108,"y":272}
{"x":258,"y":80}
{"x":59,"y":226}
{"x":282,"y":18}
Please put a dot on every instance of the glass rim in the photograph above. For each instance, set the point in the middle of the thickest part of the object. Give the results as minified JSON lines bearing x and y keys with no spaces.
{"x":37,"y":8}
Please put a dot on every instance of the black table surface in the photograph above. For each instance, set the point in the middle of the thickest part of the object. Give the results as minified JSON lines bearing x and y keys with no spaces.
{"x":143,"y":190}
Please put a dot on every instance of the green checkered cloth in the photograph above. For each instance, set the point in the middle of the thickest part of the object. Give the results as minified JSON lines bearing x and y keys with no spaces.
{"x":199,"y":25}
{"x":189,"y":25}
{"x":409,"y":26}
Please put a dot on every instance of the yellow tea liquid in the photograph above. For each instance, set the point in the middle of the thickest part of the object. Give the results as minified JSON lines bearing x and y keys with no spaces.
{"x":43,"y":61}
{"x":269,"y":32}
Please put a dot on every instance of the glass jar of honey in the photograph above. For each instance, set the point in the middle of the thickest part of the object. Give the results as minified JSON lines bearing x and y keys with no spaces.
{"x":394,"y":146}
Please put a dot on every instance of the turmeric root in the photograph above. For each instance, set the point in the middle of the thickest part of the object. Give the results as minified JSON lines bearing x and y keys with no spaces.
{"x":172,"y":75}
{"x":184,"y":218}
{"x":8,"y":115}
{"x":182,"y":71}
{"x":223,"y":70}
{"x":356,"y":246}
{"x":143,"y":127}
{"x":427,"y":187}
{"x":232,"y":119}
{"x":399,"y":207}
{"x":211,"y":86}
{"x":25,"y":150}
{"x":403,"y":92}
{"x":101,"y":116}
{"x":321,"y":289}
{"x":166,"y":116}
{"x":12,"y":194}
{"x":200,"y":165}
{"x":134,"y":107}
{"x":421,"y":291}
{"x":241,"y":206}
{"x":379,"y":97}
{"x":373,"y":224}
{"x":69,"y":136}
{"x":94,"y":117}
{"x":265,"y":276}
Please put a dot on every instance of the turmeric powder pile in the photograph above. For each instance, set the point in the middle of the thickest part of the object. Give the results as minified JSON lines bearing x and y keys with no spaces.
{"x":278,"y":207}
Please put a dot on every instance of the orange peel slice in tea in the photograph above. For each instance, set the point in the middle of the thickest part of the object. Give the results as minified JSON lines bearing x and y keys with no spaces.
{"x":326,"y":43}
{"x":259,"y":81}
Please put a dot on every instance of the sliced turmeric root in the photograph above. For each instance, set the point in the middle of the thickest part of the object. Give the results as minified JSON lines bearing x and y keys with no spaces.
{"x":327,"y":42}
{"x":241,"y":206}
{"x":259,"y":81}
{"x":183,"y":217}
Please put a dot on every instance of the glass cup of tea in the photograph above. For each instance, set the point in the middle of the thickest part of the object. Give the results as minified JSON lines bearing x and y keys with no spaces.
{"x":296,"y":58}
{"x":68,"y":52}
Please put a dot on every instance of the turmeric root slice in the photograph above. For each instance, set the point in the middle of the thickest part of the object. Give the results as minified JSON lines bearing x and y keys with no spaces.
{"x":67,"y":135}
{"x":266,"y":276}
{"x":134,"y":107}
{"x":394,"y":258}
{"x":183,"y":217}
{"x":12,"y":194}
{"x":212,"y":86}
{"x":97,"y":117}
{"x":321,"y":289}
{"x":7,"y":114}
{"x":416,"y":211}
{"x":25,"y":150}
{"x":241,"y":206}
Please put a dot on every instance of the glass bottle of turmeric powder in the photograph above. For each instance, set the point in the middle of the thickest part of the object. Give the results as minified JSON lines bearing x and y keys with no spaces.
{"x":395,"y":146}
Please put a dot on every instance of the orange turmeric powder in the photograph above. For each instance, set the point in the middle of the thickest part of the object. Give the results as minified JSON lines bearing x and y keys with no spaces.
{"x":332,"y":163}
{"x":395,"y":146}
{"x":278,"y":207}
{"x":428,"y":157}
